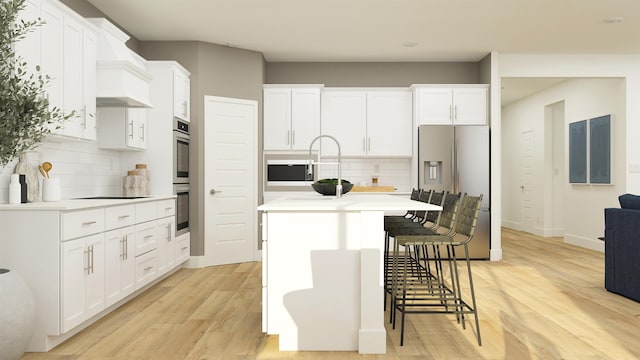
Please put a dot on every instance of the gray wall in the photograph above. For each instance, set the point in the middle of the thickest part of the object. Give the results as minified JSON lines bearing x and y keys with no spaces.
{"x":372,"y":73}
{"x":219,"y":71}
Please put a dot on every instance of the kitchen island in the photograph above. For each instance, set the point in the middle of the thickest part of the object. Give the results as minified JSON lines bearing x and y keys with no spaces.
{"x":322,"y":272}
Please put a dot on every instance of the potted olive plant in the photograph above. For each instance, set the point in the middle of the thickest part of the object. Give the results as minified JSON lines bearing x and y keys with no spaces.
{"x":25,"y":115}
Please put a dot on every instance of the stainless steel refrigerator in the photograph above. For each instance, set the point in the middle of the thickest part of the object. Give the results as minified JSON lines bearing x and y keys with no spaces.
{"x":456,"y":159}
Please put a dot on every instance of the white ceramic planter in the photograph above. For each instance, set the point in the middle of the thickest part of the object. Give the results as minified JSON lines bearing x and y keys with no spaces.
{"x":17,"y":315}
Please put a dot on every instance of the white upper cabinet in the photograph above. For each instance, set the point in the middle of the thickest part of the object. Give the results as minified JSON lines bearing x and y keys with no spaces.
{"x":344,"y":116}
{"x":122,"y":128}
{"x":291,"y":117}
{"x":389,"y":123}
{"x":449,"y":105}
{"x":367,"y":122}
{"x":65,"y":49}
{"x":181,"y":95}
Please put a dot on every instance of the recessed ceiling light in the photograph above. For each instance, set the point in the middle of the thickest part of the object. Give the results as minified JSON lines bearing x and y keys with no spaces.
{"x":614,"y":20}
{"x":409,"y":44}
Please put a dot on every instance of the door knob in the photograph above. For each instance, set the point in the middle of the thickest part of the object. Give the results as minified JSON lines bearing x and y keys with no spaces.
{"x":213,"y":191}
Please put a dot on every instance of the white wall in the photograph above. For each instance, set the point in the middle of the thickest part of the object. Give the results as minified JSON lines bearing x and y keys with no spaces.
{"x":83,"y":169}
{"x":582,"y":205}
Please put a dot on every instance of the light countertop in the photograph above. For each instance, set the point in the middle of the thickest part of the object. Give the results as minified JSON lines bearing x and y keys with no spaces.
{"x":348,"y":202}
{"x":78,"y":204}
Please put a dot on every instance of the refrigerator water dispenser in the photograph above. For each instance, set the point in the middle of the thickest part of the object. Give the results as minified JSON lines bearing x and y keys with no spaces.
{"x":432,"y":172}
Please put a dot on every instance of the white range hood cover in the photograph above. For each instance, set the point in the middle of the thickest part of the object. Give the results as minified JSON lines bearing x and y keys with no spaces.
{"x":122,"y":78}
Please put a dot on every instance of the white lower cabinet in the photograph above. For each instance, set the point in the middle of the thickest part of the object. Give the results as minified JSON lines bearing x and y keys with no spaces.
{"x":88,"y":260}
{"x":146,"y":268}
{"x":83,"y":280}
{"x":120,"y":261}
{"x":166,"y":244}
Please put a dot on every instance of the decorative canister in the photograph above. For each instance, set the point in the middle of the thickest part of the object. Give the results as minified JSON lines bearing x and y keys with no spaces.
{"x":17,"y":313}
{"x":23,"y":167}
{"x":133,"y":184}
{"x":144,"y":172}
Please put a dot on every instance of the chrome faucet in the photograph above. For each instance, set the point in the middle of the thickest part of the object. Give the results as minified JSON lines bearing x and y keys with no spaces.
{"x":339,"y":186}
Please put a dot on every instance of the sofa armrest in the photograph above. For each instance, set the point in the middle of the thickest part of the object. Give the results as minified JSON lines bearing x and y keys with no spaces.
{"x":622,"y":252}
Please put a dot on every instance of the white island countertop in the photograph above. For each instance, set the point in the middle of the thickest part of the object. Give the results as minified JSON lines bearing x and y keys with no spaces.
{"x":348,"y":202}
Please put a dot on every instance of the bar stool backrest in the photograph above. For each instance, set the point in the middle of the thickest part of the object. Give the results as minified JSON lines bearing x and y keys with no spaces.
{"x":468,"y":217}
{"x":424,"y":197}
{"x":436,"y":199}
{"x":449,"y":211}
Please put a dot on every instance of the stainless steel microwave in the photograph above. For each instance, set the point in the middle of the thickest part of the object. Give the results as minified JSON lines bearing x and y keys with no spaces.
{"x":289,"y":173}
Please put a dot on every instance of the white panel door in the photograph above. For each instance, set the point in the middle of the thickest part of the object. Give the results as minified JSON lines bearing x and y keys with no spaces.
{"x":230,"y":181}
{"x":95,"y":275}
{"x":28,"y":48}
{"x":389,"y":130}
{"x":89,"y":53}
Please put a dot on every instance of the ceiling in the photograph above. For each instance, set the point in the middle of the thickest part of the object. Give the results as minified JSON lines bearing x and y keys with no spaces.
{"x":389,"y":30}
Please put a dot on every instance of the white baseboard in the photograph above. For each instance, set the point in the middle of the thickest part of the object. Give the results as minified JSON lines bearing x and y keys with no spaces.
{"x":592,"y":244}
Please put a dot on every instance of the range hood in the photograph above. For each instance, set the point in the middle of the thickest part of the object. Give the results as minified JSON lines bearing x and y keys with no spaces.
{"x":122,"y":78}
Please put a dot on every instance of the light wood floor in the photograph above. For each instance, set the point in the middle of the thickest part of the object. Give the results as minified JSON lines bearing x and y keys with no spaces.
{"x":545,"y":300}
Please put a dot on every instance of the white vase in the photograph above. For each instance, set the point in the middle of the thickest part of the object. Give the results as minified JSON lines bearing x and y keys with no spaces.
{"x":17,"y":315}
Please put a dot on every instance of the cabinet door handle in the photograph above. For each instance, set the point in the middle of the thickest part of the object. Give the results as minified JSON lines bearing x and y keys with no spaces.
{"x":88,"y":268}
{"x":126,"y":247}
{"x":122,"y":248}
{"x":131,"y":129}
{"x":455,"y":112}
{"x":142,"y":132}
{"x":168,"y":232}
{"x":84,"y":116}
{"x":184,"y":108}
{"x":288,"y":137}
{"x":368,"y":144}
{"x":451,"y":112}
{"x":364,"y":144}
{"x":293,"y":137}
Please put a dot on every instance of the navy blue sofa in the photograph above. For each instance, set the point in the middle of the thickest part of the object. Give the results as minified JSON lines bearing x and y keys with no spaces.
{"x":622,"y":247}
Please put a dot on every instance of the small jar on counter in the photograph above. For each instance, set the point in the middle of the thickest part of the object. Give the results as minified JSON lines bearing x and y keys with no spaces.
{"x":133,"y":184}
{"x":144,"y":172}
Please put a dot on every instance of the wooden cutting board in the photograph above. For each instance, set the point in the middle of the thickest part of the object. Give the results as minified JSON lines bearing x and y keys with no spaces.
{"x":373,"y":189}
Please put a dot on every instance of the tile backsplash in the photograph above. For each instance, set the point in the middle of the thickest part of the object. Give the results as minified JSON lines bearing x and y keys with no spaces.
{"x":83,"y":169}
{"x":390,"y":172}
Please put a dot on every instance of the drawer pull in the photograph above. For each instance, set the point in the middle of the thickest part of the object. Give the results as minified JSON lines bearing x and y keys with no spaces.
{"x":148,"y":268}
{"x":122,"y":217}
{"x":148,"y":236}
{"x":168,"y":208}
{"x":87,"y":223}
{"x":185,"y":247}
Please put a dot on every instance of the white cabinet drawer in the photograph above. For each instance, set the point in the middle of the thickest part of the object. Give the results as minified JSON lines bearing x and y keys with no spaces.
{"x":146,"y":237}
{"x":146,"y":211}
{"x":119,"y":216}
{"x":146,"y":268}
{"x":166,"y":208}
{"x":183,"y":248}
{"x":81,"y":223}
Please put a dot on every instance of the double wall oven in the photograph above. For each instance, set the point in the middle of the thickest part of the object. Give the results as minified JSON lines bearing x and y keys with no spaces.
{"x":181,"y":143}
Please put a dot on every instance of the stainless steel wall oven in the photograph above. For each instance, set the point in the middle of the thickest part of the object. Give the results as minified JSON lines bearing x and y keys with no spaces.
{"x":182,"y":208}
{"x":180,"y":152}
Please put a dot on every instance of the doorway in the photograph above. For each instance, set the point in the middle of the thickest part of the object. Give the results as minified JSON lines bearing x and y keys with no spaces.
{"x":230,"y":181}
